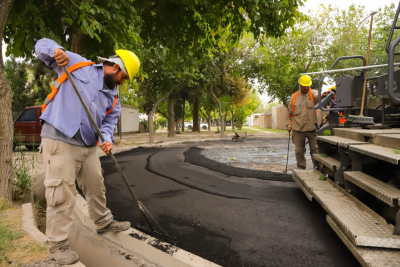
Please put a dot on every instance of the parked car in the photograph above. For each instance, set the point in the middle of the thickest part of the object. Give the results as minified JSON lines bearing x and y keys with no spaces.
{"x":189,"y":125}
{"x":27,"y":128}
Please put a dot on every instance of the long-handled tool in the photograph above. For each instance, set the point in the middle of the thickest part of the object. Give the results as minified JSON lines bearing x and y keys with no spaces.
{"x":287,"y":156}
{"x":144,"y":213}
{"x":361,"y":120}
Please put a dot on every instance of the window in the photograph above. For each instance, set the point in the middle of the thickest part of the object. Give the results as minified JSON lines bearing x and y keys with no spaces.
{"x":28,"y":116}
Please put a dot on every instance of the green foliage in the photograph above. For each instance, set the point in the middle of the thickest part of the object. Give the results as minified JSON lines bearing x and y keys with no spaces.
{"x":249,"y":105}
{"x":203,"y":25}
{"x":313,"y":45}
{"x":80,"y":26}
{"x":162,"y":122}
{"x":17,"y":76}
{"x":327,"y":133}
{"x":23,"y":168}
{"x":396,"y":151}
{"x":156,"y":126}
{"x":6,"y":236}
{"x":322,"y":177}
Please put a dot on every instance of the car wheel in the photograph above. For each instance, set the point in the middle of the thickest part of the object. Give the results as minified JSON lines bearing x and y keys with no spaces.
{"x":32,"y":147}
{"x":190,"y":127}
{"x":204,"y":127}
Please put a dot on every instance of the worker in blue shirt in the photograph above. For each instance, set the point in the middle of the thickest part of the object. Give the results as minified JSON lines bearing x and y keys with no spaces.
{"x":69,"y":139}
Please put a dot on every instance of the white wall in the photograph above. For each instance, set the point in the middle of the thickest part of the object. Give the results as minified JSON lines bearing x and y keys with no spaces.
{"x":130,"y":119}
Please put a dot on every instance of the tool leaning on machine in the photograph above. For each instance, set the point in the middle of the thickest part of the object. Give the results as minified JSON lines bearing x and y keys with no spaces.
{"x":144,"y":213}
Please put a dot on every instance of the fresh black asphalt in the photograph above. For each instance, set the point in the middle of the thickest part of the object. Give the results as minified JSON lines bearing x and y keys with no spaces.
{"x":232,"y":221}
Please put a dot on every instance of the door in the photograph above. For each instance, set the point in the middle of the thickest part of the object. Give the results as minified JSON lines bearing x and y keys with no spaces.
{"x":27,"y":128}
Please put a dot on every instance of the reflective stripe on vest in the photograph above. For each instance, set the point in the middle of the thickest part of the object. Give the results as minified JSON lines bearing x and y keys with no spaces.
{"x":57,"y":83}
{"x":294,"y":101}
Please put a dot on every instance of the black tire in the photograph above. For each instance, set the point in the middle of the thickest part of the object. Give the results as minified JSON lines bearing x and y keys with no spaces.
{"x":190,"y":127}
{"x":32,"y":147}
{"x":204,"y":127}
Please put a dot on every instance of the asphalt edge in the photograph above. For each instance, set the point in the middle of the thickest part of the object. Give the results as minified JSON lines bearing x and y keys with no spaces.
{"x":145,"y":246}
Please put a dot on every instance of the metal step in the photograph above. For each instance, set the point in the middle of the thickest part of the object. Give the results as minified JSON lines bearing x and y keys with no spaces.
{"x":378,"y":152}
{"x":340,"y":141}
{"x":387,"y":193}
{"x":360,"y":224}
{"x":388,"y":140}
{"x":362,"y":134}
{"x":368,"y":257}
{"x":329,"y":162}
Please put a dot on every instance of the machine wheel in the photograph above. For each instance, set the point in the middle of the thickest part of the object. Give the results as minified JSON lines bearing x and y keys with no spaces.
{"x":204,"y":127}
{"x":190,"y":127}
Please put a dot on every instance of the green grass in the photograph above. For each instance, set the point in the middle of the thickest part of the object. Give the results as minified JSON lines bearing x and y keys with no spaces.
{"x":6,"y":235}
{"x":267,"y":129}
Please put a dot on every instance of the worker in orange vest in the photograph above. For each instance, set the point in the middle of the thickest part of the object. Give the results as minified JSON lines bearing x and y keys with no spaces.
{"x":342,"y":119}
{"x":301,"y":118}
{"x":69,"y":140}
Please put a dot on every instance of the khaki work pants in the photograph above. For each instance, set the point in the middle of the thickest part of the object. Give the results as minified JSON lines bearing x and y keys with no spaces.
{"x":63,"y":164}
{"x":299,"y":139}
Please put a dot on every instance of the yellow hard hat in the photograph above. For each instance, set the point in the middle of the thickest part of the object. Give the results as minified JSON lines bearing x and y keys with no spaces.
{"x":131,"y":62}
{"x":332,"y":88}
{"x":305,"y":80}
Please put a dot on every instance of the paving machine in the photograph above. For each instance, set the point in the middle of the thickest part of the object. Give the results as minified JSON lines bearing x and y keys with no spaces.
{"x":356,"y":178}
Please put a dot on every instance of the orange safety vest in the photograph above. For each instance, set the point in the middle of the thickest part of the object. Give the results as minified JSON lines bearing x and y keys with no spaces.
{"x":294,"y":101}
{"x":57,"y":84}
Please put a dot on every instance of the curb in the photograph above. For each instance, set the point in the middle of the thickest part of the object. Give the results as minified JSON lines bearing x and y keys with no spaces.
{"x":144,"y":246}
{"x":29,"y":225}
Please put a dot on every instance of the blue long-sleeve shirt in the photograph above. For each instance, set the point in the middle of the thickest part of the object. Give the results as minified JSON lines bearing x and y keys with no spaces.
{"x":65,"y":112}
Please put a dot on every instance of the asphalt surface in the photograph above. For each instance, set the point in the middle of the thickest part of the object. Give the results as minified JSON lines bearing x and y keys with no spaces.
{"x":232,"y":221}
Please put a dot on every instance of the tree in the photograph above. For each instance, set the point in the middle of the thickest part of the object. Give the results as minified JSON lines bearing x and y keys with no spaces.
{"x":250,"y":103}
{"x":6,"y":123}
{"x":313,"y":45}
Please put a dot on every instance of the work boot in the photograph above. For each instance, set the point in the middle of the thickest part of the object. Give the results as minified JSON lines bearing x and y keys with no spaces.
{"x":63,"y":255}
{"x":115,"y":227}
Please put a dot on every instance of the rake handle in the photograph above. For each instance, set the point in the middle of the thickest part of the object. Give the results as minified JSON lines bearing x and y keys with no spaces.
{"x":100,"y":134}
{"x":366,"y":64}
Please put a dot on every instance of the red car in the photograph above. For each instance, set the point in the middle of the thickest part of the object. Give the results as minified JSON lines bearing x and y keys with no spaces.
{"x":27,"y":128}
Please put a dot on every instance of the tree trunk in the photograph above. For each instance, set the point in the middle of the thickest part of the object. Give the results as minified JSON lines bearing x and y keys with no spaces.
{"x":171,"y":116}
{"x":196,"y":123}
{"x":77,"y":42}
{"x":209,"y":123}
{"x":183,"y":116}
{"x":225,"y":115}
{"x":220,"y":113}
{"x":6,"y":122}
{"x":223,"y":125}
{"x":150,"y":123}
{"x":153,"y":110}
{"x":233,"y":119}
{"x":177,"y":125}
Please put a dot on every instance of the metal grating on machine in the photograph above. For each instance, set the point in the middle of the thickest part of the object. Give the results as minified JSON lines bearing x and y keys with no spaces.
{"x":387,"y":193}
{"x":387,"y":140}
{"x":358,"y":222}
{"x":378,"y":152}
{"x":341,"y":141}
{"x":360,"y":134}
{"x":368,"y":257}
{"x":329,"y":162}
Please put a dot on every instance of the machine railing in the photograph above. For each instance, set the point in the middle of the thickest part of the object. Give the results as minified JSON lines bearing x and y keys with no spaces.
{"x":323,"y":77}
